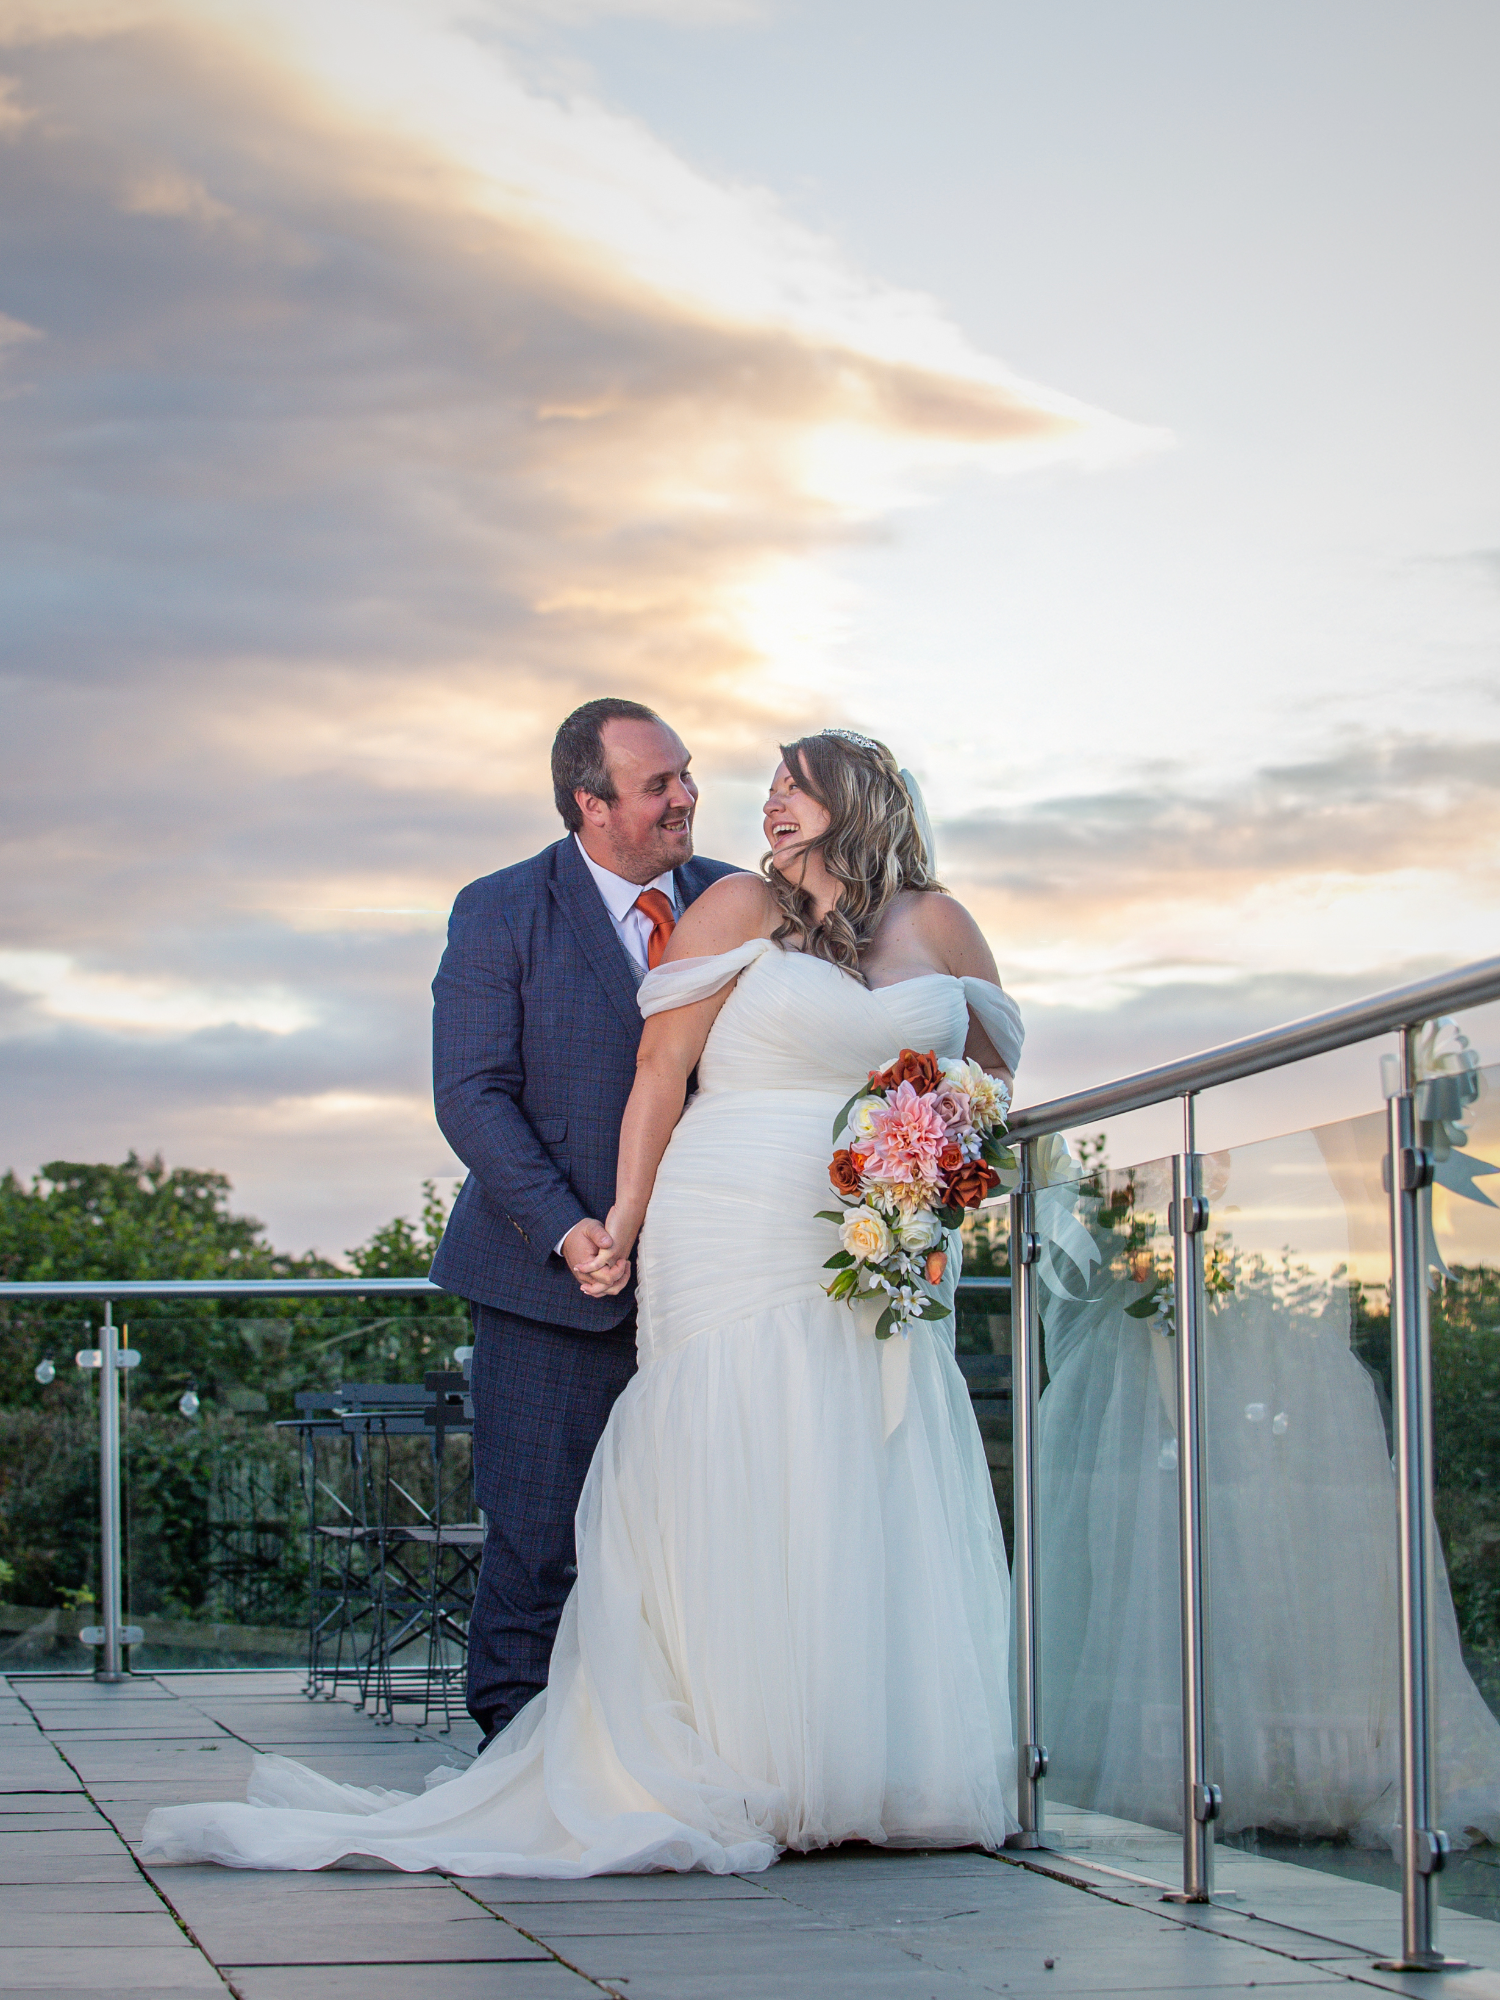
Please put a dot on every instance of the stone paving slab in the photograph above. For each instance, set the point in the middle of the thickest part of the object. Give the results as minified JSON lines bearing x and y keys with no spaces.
{"x":132,"y":1973}
{"x":94,"y":1868}
{"x":33,"y":1765}
{"x":67,"y":1899}
{"x":86,"y":1929}
{"x":140,"y":1726}
{"x":501,"y":1891}
{"x":448,"y":1982}
{"x":185,"y":1882}
{"x":477,"y":1940}
{"x":67,"y":1844}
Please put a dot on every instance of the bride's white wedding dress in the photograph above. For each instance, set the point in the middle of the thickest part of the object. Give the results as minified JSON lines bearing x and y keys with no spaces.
{"x":791,"y":1619}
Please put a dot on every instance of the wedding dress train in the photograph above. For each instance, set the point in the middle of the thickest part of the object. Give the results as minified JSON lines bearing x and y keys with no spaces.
{"x":791,"y":1619}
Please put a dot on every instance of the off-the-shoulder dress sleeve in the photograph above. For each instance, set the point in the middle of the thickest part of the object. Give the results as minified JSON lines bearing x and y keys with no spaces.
{"x":999,"y":1016}
{"x":688,"y":979}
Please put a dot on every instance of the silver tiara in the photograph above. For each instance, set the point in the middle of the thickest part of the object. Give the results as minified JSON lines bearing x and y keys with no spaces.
{"x":852,"y":736}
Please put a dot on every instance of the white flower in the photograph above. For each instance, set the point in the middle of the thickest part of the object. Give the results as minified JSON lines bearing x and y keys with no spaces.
{"x":1053,"y":1161}
{"x":861,"y":1116}
{"x":865,"y":1236}
{"x":989,"y":1098}
{"x":919,"y":1231}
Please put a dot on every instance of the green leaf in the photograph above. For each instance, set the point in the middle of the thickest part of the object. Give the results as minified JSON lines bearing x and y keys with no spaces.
{"x":885,"y":1326}
{"x":829,"y":1214}
{"x":839,"y":1261}
{"x":843,"y":1118}
{"x":997,"y":1155}
{"x":1145,"y":1308}
{"x":949,"y":1217}
{"x":933,"y":1309}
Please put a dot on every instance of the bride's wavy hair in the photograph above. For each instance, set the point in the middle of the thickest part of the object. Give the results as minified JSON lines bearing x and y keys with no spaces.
{"x":873,"y":846}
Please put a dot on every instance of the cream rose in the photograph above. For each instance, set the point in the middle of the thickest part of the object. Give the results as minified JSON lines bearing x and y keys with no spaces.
{"x":865,"y":1236}
{"x":921,"y":1231}
{"x":862,"y":1119}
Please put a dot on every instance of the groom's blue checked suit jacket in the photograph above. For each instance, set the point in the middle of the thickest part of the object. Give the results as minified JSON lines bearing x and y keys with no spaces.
{"x":534,"y":1035}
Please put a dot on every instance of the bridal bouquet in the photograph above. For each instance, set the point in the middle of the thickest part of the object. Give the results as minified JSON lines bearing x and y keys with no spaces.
{"x":913,"y":1149}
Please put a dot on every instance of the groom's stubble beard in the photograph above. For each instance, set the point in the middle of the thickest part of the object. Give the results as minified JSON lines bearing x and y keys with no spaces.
{"x":642,"y":858}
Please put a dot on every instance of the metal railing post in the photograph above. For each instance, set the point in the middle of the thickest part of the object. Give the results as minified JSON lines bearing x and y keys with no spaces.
{"x":1423,"y":1846}
{"x":111,"y":1618}
{"x":1200,"y":1797}
{"x":1025,"y":1371}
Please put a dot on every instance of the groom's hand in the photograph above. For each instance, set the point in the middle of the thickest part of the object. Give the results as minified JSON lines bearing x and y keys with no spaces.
{"x":588,"y":1246}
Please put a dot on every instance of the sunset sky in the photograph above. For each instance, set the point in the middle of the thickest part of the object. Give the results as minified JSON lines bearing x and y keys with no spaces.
{"x":1096,"y":401}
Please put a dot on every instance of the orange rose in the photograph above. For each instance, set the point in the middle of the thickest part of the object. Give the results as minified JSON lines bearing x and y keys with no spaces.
{"x":951,"y":1158}
{"x":969,"y":1186}
{"x":843,"y":1171}
{"x":937,"y":1264}
{"x":920,"y":1071}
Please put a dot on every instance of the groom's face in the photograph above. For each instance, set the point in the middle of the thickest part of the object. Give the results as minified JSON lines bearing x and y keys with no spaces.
{"x":647,"y":828}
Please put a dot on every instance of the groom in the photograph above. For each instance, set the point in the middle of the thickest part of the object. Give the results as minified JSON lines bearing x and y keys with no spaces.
{"x":535,"y":1027}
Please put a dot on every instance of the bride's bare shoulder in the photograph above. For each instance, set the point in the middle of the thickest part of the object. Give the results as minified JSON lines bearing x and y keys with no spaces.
{"x":728,"y":913}
{"x":952,"y":935}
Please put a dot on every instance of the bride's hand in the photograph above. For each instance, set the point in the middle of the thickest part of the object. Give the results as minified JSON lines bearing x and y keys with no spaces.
{"x":610,"y":1272}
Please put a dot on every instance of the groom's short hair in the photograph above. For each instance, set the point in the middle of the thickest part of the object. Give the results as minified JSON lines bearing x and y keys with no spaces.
{"x":578,"y":760}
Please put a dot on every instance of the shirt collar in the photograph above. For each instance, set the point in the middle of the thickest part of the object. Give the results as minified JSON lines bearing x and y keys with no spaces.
{"x":619,"y":895}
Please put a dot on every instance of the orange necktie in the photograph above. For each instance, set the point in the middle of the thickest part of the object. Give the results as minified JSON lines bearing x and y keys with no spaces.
{"x":653,"y":904}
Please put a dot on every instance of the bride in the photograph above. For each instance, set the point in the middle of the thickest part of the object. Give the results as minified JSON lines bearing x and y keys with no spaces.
{"x":791,"y":1618}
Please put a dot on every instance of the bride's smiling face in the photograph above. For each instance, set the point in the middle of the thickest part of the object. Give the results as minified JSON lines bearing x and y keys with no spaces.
{"x":793,"y":817}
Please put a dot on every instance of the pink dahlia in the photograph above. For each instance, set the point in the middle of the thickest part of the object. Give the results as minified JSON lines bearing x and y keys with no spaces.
{"x":906,"y":1136}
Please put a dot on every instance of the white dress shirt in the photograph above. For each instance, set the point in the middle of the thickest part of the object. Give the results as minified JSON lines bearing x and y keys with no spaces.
{"x":632,"y":926}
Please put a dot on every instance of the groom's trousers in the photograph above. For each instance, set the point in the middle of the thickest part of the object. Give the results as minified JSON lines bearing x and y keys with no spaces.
{"x":542,"y":1395}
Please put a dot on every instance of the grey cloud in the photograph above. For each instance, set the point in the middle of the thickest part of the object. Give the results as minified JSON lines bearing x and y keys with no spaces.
{"x":318,"y":403}
{"x":1374,"y":807}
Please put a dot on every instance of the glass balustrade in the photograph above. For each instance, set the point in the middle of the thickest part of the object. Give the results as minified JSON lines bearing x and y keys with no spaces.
{"x":49,"y":1495}
{"x":982,"y":1342}
{"x":1301,"y":1551}
{"x":1107,"y":1505}
{"x":236,"y":1505}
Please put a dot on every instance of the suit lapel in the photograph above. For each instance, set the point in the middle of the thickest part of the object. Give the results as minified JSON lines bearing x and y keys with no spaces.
{"x":583,"y":906}
{"x":690,"y":880}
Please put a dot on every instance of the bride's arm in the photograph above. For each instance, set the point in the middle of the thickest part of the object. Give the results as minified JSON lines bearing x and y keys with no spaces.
{"x":735,"y":909}
{"x":960,"y":947}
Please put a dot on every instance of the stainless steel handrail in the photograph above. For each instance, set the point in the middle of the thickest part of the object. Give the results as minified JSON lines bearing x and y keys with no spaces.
{"x":278,"y":1288}
{"x":216,"y":1288}
{"x":1316,"y":1034}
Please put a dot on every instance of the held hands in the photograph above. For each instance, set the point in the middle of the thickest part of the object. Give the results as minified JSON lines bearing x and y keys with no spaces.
{"x":598,"y":1255}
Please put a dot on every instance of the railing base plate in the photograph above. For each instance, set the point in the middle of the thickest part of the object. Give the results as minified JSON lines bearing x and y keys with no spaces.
{"x":1432,"y":1961}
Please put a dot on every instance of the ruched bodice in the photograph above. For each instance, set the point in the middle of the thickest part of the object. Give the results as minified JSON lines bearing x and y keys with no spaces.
{"x":794,"y":1022}
{"x":733,"y":1226}
{"x":798,"y":1023}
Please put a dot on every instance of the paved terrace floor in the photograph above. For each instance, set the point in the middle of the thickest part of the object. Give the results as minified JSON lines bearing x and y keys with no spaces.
{"x":82,"y":1764}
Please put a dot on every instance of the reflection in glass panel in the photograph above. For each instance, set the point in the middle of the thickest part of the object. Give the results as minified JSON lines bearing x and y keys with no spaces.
{"x":1302,"y":1515}
{"x":982,"y":1312}
{"x":1459,"y":1110}
{"x":1302,"y":1499}
{"x":1107,"y":1498}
